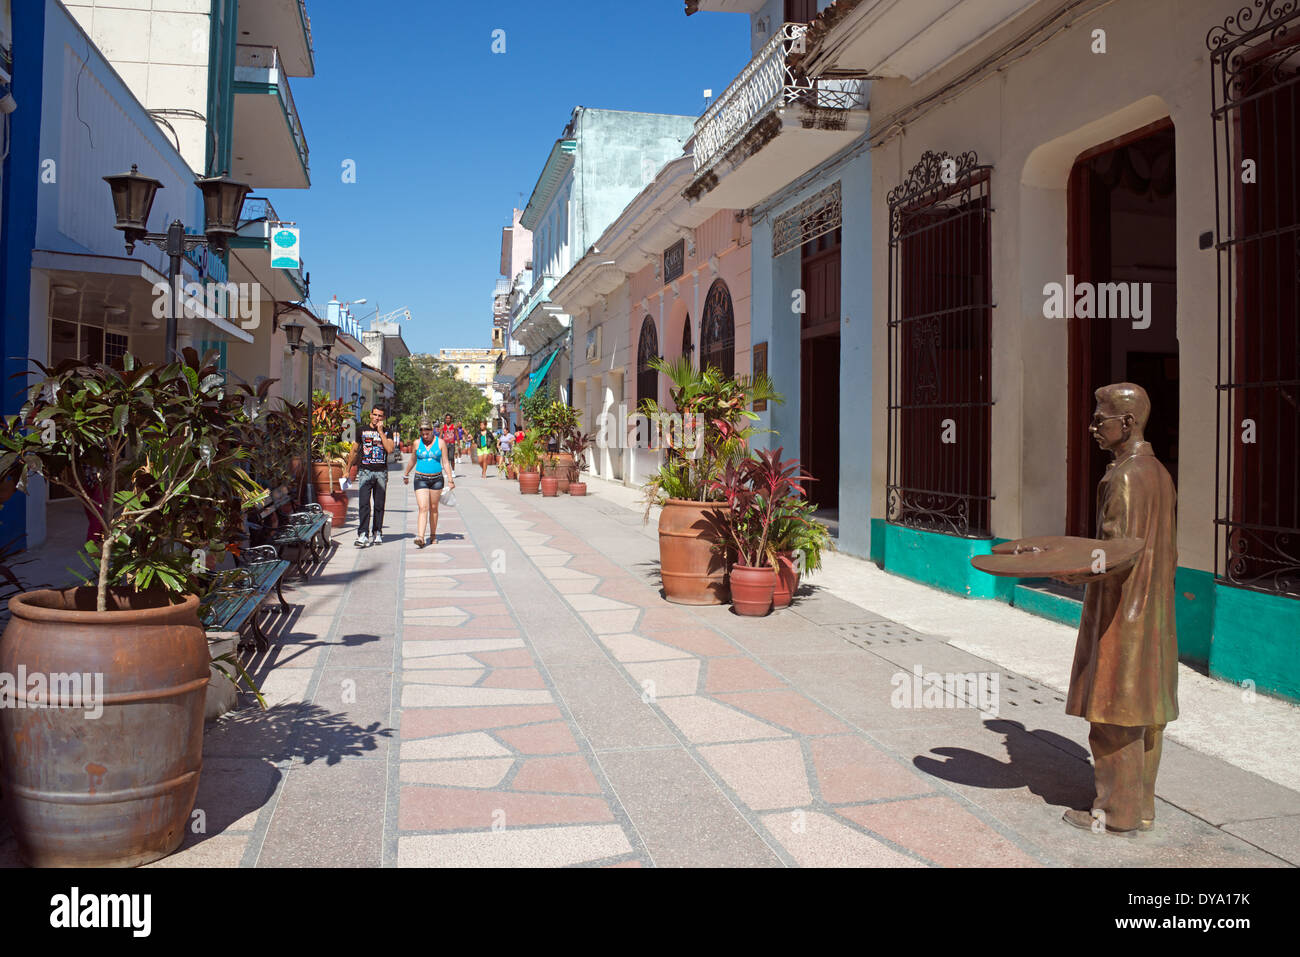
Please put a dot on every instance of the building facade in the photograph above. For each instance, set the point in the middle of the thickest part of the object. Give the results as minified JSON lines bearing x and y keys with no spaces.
{"x":1058,"y":209}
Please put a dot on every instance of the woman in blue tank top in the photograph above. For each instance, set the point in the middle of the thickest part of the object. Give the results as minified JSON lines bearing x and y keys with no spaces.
{"x":432,"y":470}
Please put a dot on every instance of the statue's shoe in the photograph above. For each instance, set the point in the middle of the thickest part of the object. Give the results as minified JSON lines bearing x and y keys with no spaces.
{"x":1146,"y":825}
{"x":1086,"y":822}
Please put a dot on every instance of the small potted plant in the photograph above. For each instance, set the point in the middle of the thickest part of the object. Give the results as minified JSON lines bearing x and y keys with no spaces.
{"x":795,"y":546}
{"x":330,"y":452}
{"x":752,"y":491}
{"x":576,"y":443}
{"x":528,"y":459}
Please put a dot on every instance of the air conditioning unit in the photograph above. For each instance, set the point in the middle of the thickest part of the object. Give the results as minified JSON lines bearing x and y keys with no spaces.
{"x":593,"y":344}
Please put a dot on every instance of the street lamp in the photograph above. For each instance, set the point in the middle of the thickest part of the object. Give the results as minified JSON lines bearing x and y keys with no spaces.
{"x":133,"y":196}
{"x":328,"y":334}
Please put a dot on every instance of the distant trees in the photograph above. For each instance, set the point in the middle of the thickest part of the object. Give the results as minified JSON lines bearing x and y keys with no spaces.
{"x":421,"y":377}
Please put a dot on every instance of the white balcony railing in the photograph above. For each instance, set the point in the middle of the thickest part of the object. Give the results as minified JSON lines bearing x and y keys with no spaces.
{"x":765,"y":84}
{"x":250,"y":57}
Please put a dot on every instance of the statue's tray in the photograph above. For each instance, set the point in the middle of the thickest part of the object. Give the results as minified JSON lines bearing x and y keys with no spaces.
{"x":1060,"y":556}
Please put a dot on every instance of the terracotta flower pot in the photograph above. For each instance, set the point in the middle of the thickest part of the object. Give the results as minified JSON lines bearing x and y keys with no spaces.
{"x":115,"y":791}
{"x":550,"y":486}
{"x":752,"y":589}
{"x":560,"y":465}
{"x":335,"y":505}
{"x":528,"y":482}
{"x":578,"y":488}
{"x":787,"y":580}
{"x":325,"y":476}
{"x":692,"y":574}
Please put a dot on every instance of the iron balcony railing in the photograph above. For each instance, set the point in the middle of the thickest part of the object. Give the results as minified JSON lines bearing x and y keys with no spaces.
{"x":767,"y":83}
{"x":253,"y":59}
{"x":538,"y":294}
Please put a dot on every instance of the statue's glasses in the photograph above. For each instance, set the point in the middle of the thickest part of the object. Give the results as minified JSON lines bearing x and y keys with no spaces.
{"x":1098,"y":419}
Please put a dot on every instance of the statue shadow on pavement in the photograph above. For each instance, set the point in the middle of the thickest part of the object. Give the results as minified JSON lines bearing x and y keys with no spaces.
{"x":1047,"y":764}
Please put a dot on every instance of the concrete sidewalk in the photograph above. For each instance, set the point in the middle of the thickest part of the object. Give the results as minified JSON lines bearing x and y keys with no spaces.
{"x":520,"y":694}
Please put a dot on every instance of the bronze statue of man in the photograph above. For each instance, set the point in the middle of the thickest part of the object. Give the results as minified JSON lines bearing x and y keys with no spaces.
{"x":1125,"y":674}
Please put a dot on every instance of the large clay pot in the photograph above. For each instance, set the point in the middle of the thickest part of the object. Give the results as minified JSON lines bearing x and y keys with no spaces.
{"x":691,"y":572}
{"x":116,"y":789}
{"x":752,"y":589}
{"x":335,"y":505}
{"x":550,"y":485}
{"x":787,"y":580}
{"x":560,"y":465}
{"x":578,"y":488}
{"x":325,"y":476}
{"x":528,"y":482}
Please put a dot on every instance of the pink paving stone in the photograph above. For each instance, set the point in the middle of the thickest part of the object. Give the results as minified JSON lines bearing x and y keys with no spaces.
{"x":851,"y":769}
{"x":624,"y":864}
{"x":942,"y":830}
{"x":666,"y":617}
{"x":513,"y":658}
{"x":480,"y":622}
{"x":739,"y":674}
{"x":698,"y":641}
{"x":426,"y":722}
{"x":520,"y":678}
{"x":552,"y":738}
{"x":786,"y":708}
{"x":468,"y":630}
{"x":567,"y":775}
{"x":445,"y":809}
{"x":477,"y":606}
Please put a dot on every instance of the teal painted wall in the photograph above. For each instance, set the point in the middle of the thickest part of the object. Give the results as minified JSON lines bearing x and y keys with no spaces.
{"x":1257,"y":638}
{"x":943,"y":561}
{"x":1194,"y":592}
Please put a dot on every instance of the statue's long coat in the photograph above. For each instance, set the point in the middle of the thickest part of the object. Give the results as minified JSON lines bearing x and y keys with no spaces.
{"x":1126,"y":660}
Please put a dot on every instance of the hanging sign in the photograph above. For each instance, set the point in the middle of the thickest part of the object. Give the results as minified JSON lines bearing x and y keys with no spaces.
{"x":285,"y":253}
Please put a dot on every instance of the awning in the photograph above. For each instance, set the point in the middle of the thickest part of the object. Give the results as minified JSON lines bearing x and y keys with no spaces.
{"x":535,"y":378}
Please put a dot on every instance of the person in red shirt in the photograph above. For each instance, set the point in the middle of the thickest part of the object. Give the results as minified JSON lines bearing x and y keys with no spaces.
{"x":449,"y":438}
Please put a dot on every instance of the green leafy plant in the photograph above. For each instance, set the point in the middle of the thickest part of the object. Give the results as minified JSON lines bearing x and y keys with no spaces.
{"x":794,"y":530}
{"x":329,"y":418}
{"x":721,"y":410}
{"x":534,"y":407}
{"x":155,"y":453}
{"x":527,"y":455}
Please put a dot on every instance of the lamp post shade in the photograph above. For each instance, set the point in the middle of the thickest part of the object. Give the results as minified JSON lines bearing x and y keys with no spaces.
{"x":293,"y":332}
{"x":329,"y":334}
{"x":133,"y":195}
{"x":223,"y":201}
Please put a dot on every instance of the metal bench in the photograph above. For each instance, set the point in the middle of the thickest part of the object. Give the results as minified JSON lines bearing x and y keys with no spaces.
{"x":308,"y":532}
{"x":235,"y":600}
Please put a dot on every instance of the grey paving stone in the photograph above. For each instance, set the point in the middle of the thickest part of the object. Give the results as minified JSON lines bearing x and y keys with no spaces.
{"x":608,"y":709}
{"x":682,"y":817}
{"x":329,"y":815}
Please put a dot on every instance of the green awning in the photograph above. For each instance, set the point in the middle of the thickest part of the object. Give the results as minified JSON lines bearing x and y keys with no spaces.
{"x":535,"y":378}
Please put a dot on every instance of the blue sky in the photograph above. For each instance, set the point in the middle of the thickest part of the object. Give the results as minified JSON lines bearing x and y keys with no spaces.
{"x":446,"y":135}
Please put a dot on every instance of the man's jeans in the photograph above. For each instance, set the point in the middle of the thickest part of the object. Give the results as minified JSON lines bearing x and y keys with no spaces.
{"x":371,"y":482}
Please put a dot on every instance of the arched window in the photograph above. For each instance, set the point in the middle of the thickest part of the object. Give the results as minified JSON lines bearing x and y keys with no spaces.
{"x":647,"y":380}
{"x":718,"y":331}
{"x":688,"y":343}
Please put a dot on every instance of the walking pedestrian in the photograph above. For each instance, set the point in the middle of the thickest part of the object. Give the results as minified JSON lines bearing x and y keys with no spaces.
{"x":370,"y":454}
{"x":460,"y":440}
{"x":486,"y":443}
{"x":448,"y":437}
{"x":504,"y":451}
{"x":432,"y":470}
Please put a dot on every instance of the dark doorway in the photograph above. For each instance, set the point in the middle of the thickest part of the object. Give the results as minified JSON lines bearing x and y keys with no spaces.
{"x":1122,"y":202}
{"x":819,"y":378}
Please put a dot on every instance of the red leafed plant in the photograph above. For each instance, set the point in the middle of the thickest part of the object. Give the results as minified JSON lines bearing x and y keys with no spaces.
{"x":752,"y":492}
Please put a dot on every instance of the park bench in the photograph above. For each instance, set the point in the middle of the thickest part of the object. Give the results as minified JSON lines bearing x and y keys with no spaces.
{"x":308,"y":532}
{"x":234,"y":601}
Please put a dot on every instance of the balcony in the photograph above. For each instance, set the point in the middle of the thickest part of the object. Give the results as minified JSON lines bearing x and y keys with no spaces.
{"x":269,"y":150}
{"x":770,"y":127}
{"x":539,"y":320}
{"x":282,"y":24}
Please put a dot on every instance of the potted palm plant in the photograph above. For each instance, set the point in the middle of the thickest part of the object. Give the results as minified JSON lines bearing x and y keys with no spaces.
{"x":330,"y":451}
{"x":527,"y":459}
{"x":155,"y":454}
{"x":717,"y":412}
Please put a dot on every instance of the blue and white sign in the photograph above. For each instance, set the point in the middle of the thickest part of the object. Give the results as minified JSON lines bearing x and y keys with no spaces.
{"x":285,"y":253}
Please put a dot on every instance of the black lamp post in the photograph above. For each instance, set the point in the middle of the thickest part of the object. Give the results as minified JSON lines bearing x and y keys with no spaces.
{"x":133,"y":196}
{"x":328,"y":334}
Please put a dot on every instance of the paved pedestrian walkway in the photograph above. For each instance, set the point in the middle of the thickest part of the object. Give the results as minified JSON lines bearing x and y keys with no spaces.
{"x":519,"y":694}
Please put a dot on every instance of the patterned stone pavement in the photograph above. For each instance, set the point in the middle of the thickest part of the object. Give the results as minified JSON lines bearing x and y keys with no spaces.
{"x":519,"y":694}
